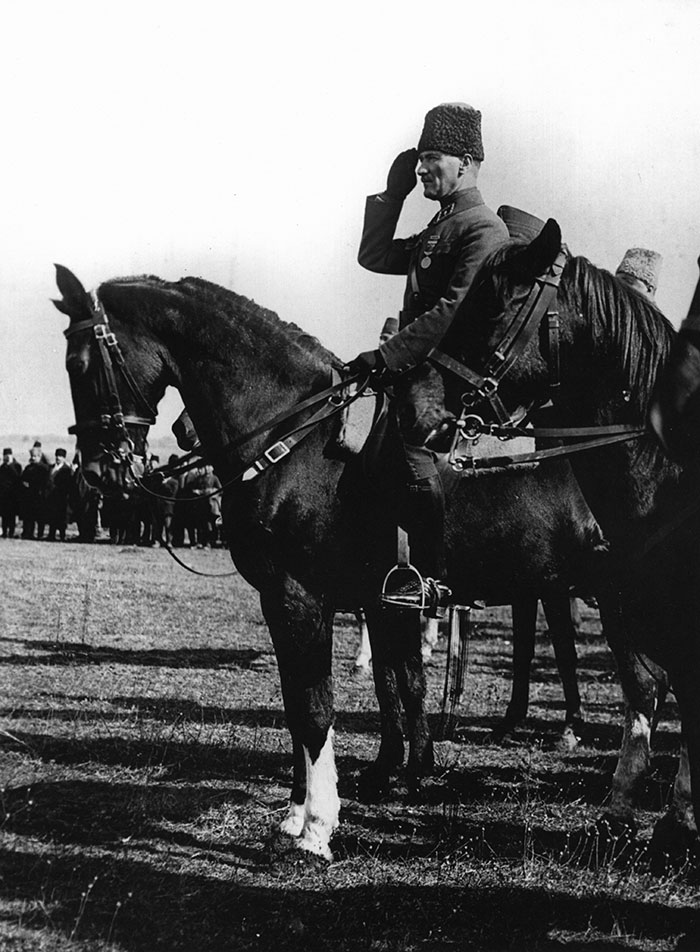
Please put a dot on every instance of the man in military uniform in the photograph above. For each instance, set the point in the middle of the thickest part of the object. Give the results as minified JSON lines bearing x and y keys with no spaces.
{"x":441,"y":263}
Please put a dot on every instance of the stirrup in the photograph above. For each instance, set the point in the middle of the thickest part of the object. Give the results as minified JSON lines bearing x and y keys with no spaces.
{"x":405,"y":587}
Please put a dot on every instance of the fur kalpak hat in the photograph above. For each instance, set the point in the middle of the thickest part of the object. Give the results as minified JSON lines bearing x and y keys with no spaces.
{"x":453,"y":128}
{"x":642,"y":264}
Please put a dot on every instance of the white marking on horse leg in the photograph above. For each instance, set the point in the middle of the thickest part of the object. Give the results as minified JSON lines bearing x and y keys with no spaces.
{"x":322,"y":804}
{"x":429,"y":637}
{"x":293,"y":823}
{"x":632,"y":763}
{"x":364,"y":652}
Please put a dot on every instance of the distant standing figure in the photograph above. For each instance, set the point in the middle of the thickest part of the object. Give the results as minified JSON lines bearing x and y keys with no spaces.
{"x":10,"y":484}
{"x":166,"y":488}
{"x":208,"y":508}
{"x":640,"y":269}
{"x":58,"y":496}
{"x":43,"y":458}
{"x":35,"y":481}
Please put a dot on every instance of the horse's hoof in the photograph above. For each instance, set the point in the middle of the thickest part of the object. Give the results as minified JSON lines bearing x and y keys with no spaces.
{"x":674,"y":844}
{"x":415,"y":778}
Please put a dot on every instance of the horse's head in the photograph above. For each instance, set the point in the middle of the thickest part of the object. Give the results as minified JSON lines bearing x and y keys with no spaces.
{"x":113,"y":382}
{"x":502,"y":330}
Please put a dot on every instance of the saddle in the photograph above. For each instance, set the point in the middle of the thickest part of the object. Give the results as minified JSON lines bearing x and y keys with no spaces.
{"x":361,"y":431}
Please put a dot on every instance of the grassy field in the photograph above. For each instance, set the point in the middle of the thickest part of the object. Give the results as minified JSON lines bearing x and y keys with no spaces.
{"x":144,"y":763}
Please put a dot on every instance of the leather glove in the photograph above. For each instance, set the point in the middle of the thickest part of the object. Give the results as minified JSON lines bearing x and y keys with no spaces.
{"x":402,"y":174}
{"x":369,"y":361}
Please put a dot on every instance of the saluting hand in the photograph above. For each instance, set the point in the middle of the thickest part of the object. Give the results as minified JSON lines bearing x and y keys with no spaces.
{"x":402,"y":174}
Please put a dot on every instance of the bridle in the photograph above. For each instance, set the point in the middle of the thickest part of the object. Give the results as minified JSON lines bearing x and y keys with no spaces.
{"x":484,"y":387}
{"x":112,"y":421}
{"x":517,"y":336}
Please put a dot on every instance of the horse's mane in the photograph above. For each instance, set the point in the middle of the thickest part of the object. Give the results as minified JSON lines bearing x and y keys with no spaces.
{"x":198,"y":291}
{"x":634,"y":326}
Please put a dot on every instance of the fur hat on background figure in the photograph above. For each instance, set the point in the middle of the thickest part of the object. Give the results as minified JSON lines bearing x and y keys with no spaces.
{"x":642,"y":264}
{"x":453,"y":128}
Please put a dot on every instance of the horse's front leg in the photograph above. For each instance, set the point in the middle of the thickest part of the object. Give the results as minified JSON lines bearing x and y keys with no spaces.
{"x":301,"y":628}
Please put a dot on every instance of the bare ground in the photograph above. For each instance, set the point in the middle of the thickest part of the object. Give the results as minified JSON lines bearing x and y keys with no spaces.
{"x":144,"y":763}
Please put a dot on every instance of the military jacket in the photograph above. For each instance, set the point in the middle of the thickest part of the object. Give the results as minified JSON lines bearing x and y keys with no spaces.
{"x":441,"y":263}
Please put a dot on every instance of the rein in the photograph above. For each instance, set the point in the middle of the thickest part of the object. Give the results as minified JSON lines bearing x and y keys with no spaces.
{"x":472,"y":426}
{"x":282,"y":447}
{"x":169,"y":549}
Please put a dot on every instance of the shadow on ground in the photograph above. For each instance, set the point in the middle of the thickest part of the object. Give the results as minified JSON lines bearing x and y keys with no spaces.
{"x":143,"y":909}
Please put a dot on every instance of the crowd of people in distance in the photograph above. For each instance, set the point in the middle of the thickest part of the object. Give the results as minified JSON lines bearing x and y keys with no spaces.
{"x":51,"y":501}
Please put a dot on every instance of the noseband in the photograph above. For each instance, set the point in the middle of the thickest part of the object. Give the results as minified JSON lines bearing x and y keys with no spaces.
{"x":112,"y":420}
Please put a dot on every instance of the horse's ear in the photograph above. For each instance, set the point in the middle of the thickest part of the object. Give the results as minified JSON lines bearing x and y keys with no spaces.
{"x":61,"y":306}
{"x":540,"y":254}
{"x":75,"y":298}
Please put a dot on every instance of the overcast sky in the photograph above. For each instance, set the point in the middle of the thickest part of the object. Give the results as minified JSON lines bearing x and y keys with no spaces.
{"x":238,"y":141}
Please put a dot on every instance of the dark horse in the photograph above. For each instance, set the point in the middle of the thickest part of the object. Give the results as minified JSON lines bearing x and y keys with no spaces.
{"x":308,"y":534}
{"x":612,"y":345}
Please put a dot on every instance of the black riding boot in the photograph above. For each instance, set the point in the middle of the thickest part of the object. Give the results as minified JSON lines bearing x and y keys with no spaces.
{"x":425,"y":524}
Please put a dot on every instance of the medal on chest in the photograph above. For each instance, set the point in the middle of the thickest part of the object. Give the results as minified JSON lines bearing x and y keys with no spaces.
{"x":428,"y":250}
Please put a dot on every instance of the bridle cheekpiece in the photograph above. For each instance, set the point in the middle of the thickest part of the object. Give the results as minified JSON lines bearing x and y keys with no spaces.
{"x":112,"y":421}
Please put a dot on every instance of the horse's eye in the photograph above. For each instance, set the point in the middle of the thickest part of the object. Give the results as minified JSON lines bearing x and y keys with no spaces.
{"x":78,"y":361}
